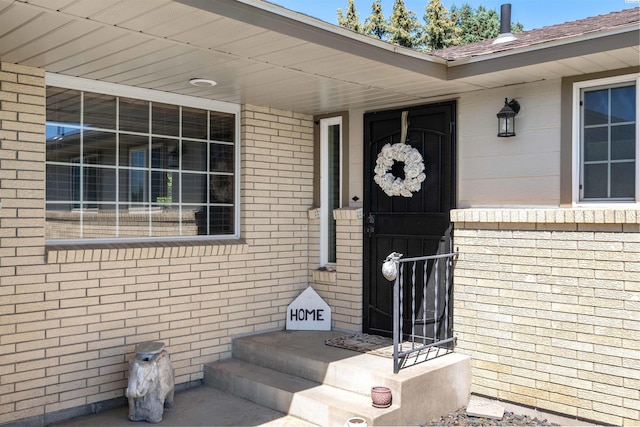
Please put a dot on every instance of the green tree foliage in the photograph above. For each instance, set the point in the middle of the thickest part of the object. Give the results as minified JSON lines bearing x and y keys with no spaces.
{"x":350,"y":21}
{"x":375,"y":25}
{"x":465,"y":21}
{"x":441,"y":30}
{"x":487,"y":23}
{"x":404,"y":28}
{"x":517,"y":27}
{"x":480,"y":24}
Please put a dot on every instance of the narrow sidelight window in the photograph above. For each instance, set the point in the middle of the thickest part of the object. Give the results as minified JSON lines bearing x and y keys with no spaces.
{"x":330,"y":184}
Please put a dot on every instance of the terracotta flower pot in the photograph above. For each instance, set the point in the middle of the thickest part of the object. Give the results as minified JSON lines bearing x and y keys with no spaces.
{"x":381,"y":397}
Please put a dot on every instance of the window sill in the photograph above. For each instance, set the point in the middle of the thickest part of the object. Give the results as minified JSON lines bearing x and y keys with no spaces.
{"x":348,"y":214}
{"x":94,"y":252}
{"x":577,"y":215}
{"x":323,"y":276}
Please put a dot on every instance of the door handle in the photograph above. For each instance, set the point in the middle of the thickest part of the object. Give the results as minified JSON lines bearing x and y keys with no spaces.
{"x":370,"y":226}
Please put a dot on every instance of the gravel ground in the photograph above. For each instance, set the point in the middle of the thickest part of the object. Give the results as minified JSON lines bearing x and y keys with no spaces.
{"x":460,"y":418}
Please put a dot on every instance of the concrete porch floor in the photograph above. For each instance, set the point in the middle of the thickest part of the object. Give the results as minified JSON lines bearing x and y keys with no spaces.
{"x":209,"y":406}
{"x":198,"y":406}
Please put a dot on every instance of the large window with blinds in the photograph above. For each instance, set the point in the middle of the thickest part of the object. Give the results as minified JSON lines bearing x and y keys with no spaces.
{"x":134,"y":168}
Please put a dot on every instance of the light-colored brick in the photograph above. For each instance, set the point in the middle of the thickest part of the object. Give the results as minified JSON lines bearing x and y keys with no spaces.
{"x":584,"y":317}
{"x":103,"y":301}
{"x":147,"y":293}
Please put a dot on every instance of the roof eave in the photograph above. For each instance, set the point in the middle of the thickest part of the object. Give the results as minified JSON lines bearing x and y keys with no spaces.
{"x":584,"y":44}
{"x":304,"y":27}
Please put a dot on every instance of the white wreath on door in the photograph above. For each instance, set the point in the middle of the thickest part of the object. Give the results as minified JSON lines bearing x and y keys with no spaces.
{"x":413,"y":170}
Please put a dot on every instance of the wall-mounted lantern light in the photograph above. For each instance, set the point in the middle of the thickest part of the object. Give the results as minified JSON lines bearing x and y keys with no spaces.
{"x":506,"y":122}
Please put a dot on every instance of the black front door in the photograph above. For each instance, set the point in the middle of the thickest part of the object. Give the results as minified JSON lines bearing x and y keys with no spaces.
{"x":412,"y":226}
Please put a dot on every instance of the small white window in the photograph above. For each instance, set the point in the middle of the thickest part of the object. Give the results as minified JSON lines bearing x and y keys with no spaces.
{"x":606,"y":141}
{"x":330,"y":184}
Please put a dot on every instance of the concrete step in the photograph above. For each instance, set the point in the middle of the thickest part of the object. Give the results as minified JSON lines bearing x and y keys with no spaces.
{"x":290,"y":352}
{"x":265,"y":386}
{"x":300,"y":398}
{"x":296,"y":373}
{"x":293,"y":353}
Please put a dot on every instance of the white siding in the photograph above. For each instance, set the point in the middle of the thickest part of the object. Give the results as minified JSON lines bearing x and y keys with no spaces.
{"x":521,"y":170}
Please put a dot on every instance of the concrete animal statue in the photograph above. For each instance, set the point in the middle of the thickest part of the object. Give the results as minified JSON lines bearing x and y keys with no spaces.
{"x":151,"y":387}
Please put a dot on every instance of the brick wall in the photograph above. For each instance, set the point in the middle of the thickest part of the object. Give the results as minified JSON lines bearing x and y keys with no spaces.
{"x":547,"y":304}
{"x":70,"y":317}
{"x":24,"y":336}
{"x":342,"y":288}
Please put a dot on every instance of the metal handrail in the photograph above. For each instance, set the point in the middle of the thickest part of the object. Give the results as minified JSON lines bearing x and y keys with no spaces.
{"x":398,"y":306}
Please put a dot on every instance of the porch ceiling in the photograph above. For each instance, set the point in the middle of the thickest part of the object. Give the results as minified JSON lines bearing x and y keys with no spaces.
{"x":258,"y":53}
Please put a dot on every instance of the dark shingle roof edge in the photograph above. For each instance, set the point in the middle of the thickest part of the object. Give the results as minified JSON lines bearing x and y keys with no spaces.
{"x":552,"y":33}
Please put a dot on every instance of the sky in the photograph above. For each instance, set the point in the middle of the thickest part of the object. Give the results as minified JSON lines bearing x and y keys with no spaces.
{"x":531,"y":13}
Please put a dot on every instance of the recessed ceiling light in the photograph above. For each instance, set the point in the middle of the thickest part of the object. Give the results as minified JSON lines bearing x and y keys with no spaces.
{"x":203,"y":82}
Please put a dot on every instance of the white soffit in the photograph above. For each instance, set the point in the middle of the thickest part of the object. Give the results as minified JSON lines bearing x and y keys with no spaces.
{"x":162,"y":44}
{"x":258,"y":53}
{"x":580,"y":65}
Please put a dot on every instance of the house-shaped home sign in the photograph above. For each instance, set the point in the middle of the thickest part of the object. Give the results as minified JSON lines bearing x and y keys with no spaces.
{"x":309,"y":312}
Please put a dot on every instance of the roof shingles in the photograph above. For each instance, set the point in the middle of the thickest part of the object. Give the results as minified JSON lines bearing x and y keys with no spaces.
{"x":609,"y":21}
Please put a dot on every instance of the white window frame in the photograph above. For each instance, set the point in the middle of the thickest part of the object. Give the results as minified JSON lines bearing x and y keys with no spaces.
{"x":577,"y":137}
{"x":324,"y":183}
{"x":114,"y":89}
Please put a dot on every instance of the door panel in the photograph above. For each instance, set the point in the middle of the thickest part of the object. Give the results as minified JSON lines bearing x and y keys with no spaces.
{"x":413,"y":226}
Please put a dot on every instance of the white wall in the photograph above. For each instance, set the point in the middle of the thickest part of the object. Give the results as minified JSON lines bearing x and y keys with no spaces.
{"x":519,"y":171}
